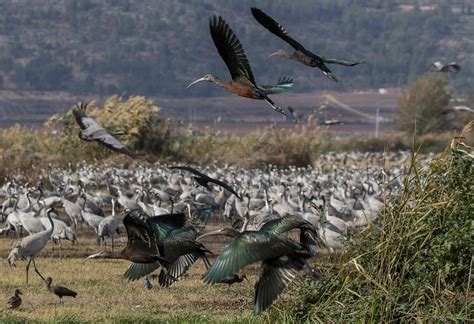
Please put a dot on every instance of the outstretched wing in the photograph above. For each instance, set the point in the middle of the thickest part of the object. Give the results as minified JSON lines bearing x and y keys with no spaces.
{"x":275,"y":28}
{"x":164,"y":225}
{"x":136,"y":271}
{"x":80,"y":114}
{"x":331,"y":60}
{"x":141,"y":237}
{"x":177,"y":269}
{"x":453,"y":67}
{"x":225,"y":186}
{"x":275,"y":275}
{"x":103,"y":137}
{"x":230,"y":49}
{"x":247,"y":248}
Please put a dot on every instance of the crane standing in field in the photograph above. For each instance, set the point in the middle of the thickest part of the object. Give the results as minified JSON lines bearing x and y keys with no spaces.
{"x":230,"y":49}
{"x":31,"y":246}
{"x":301,"y":54}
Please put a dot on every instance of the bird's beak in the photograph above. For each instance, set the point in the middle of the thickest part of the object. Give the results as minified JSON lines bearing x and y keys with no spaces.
{"x":211,"y":233}
{"x":273,"y":54}
{"x":194,"y":82}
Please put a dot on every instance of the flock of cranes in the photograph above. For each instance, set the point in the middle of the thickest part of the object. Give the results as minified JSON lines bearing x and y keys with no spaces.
{"x":167,"y":208}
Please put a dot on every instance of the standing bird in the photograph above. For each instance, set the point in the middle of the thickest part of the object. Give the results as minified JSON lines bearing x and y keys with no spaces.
{"x":204,"y":180}
{"x":31,"y":246}
{"x":440,"y":67}
{"x":59,"y":291}
{"x":231,"y":51}
{"x":300,"y":54}
{"x":15,"y":301}
{"x":91,"y":131}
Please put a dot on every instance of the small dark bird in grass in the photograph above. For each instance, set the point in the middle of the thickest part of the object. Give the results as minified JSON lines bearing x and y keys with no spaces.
{"x":59,"y":290}
{"x":15,"y":301}
{"x":232,"y":279}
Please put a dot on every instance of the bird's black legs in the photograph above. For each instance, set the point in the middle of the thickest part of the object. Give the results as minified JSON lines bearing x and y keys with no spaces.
{"x":112,"y":242}
{"x":36,"y":270}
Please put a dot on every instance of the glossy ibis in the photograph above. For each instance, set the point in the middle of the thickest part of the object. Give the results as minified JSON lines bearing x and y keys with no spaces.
{"x":92,"y":131}
{"x":59,"y":291}
{"x":301,"y":54}
{"x":204,"y":180}
{"x":154,"y":242}
{"x":283,"y":259}
{"x":231,"y":51}
{"x":15,"y":300}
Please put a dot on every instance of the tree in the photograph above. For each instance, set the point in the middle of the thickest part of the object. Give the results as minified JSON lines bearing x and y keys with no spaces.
{"x":422,"y":103}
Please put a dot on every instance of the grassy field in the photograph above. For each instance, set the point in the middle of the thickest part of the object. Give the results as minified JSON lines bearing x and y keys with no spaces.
{"x":104,"y":295}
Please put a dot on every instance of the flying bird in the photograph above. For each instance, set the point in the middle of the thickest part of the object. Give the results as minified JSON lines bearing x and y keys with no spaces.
{"x":92,"y":131}
{"x":204,"y":180}
{"x":440,"y":67}
{"x":15,"y":300}
{"x":301,"y":54}
{"x":230,"y":49}
{"x":59,"y":291}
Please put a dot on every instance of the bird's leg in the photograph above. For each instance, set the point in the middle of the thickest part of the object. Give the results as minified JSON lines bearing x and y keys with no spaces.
{"x":27,"y":269}
{"x":112,"y":242}
{"x":36,"y":270}
{"x":60,"y":251}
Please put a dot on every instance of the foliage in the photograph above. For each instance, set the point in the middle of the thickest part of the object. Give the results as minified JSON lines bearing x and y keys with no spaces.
{"x":154,"y":48}
{"x":413,"y":264}
{"x":423,"y":105}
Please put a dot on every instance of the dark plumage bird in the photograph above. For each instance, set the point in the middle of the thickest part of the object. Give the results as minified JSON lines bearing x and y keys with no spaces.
{"x":440,"y":67}
{"x":283,"y":259}
{"x":154,"y":242}
{"x":301,"y":54}
{"x":92,"y":131}
{"x":229,"y":47}
{"x":15,"y":300}
{"x":204,"y":180}
{"x":59,"y":291}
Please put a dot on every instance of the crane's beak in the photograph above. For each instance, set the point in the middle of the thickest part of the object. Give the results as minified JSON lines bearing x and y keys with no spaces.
{"x":273,"y":54}
{"x":194,"y":82}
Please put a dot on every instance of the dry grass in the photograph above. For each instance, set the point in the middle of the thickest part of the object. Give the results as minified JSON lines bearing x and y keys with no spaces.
{"x":104,"y":295}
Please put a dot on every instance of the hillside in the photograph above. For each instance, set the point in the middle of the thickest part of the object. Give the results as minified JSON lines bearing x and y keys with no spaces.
{"x":155,"y":48}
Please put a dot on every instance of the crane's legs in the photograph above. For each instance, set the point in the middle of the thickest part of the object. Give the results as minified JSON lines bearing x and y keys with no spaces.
{"x":27,"y":270}
{"x":36,"y":270}
{"x":112,"y":242}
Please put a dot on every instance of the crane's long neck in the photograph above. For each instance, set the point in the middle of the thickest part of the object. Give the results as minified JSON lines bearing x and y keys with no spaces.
{"x":50,"y":230}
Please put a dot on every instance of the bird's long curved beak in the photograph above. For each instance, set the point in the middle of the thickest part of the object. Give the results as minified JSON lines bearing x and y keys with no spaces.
{"x":194,"y":82}
{"x":273,"y":54}
{"x":211,"y":233}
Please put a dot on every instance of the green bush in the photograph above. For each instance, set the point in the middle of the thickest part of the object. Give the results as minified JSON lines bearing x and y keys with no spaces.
{"x":412,"y":264}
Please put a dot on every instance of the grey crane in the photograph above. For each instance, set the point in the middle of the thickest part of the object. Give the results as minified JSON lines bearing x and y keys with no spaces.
{"x":30,"y":247}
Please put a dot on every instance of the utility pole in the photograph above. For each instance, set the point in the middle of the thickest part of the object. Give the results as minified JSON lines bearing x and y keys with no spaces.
{"x":377,"y":117}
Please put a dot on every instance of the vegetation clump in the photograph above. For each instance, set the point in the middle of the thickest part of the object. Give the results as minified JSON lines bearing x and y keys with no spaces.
{"x":413,"y":263}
